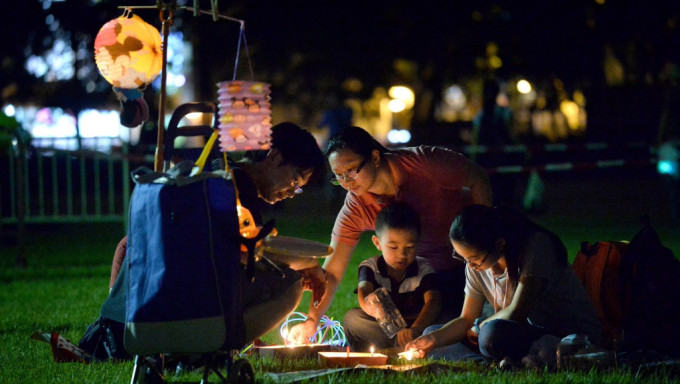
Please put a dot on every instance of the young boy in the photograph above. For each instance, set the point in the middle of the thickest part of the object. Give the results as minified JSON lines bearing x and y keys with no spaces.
{"x":410,"y":281}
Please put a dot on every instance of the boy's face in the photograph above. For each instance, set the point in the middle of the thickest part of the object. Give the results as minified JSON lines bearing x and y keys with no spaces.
{"x":398,"y":246}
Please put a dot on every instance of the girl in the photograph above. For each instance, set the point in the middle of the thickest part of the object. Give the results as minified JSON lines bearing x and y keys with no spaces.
{"x":523,"y":271}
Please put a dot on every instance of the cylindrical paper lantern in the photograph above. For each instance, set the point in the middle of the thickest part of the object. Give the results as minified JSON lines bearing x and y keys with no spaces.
{"x":244,"y":115}
{"x":128,"y":52}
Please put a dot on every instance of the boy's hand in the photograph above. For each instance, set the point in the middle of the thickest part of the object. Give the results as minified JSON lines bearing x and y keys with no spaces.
{"x":314,"y":279}
{"x":375,"y":308}
{"x":406,"y":335}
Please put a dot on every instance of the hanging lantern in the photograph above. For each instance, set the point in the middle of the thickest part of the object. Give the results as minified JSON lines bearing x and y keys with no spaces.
{"x":128,"y":52}
{"x":244,"y":115}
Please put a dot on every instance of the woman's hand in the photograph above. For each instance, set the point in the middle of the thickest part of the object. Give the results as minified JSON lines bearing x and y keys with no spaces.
{"x":314,"y":279}
{"x":302,"y":332}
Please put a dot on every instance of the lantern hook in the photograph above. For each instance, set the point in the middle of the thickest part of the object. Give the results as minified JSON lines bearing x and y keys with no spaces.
{"x":169,"y":7}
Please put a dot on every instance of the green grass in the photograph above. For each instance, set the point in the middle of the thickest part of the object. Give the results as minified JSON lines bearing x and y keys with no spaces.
{"x":67,"y":280}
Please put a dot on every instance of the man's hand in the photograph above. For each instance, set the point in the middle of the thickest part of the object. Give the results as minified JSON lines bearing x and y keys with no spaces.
{"x":315,"y":280}
{"x":302,"y":332}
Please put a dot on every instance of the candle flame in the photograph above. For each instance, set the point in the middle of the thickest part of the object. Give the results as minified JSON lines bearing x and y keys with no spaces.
{"x":408,"y":355}
{"x":372,"y":350}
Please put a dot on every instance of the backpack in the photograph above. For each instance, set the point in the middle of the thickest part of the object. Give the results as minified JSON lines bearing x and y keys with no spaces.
{"x":654,"y":276}
{"x":634,"y":288}
{"x":598,"y":267}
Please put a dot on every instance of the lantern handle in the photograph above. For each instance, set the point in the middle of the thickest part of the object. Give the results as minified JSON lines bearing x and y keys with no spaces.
{"x":162,"y":7}
{"x":242,"y":36}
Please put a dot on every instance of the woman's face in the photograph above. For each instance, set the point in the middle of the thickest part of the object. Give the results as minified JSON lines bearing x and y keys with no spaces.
{"x":354,"y":172}
{"x":475,"y":258}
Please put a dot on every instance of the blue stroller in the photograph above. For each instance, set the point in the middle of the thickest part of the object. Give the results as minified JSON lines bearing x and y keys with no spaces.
{"x":184,"y":269}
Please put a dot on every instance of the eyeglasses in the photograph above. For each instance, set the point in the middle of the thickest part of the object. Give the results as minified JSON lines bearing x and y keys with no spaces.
{"x":348,"y":176}
{"x":472,"y":263}
{"x":295,"y":186}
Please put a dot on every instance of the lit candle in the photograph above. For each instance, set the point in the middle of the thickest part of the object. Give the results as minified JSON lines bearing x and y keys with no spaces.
{"x":372,"y":350}
{"x":348,"y":351}
{"x":408,"y":355}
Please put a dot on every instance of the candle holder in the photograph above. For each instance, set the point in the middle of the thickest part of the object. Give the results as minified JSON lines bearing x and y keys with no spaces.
{"x":302,"y":351}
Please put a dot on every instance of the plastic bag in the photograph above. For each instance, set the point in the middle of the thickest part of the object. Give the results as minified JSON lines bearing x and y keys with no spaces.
{"x":387,"y":315}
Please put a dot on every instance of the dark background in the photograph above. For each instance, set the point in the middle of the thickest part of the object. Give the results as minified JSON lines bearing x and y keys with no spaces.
{"x":307,"y":48}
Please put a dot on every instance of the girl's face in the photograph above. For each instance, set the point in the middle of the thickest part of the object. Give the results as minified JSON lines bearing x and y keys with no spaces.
{"x":354,"y":172}
{"x":475,"y":258}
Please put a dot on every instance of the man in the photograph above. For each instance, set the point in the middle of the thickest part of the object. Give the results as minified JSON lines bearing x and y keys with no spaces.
{"x":274,"y":175}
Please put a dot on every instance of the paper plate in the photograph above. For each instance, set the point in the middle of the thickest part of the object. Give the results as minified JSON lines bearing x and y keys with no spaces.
{"x":295,"y":253}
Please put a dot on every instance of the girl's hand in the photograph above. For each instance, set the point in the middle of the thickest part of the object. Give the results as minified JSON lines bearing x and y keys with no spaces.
{"x":421,"y":346}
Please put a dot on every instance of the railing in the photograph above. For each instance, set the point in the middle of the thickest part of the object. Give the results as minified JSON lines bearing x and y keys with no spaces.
{"x":44,"y":185}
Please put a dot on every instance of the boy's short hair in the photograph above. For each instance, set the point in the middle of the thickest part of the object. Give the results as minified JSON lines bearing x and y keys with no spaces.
{"x":398,"y":215}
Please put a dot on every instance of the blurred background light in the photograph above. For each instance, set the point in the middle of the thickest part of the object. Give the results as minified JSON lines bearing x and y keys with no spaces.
{"x":523,"y":86}
{"x":396,"y":105}
{"x":398,"y":136}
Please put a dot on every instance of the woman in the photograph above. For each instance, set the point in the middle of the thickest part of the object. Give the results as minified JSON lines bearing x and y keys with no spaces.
{"x":523,"y":271}
{"x":435,"y":181}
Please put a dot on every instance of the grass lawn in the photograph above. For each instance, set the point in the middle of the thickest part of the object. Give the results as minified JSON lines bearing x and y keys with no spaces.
{"x":68,"y":272}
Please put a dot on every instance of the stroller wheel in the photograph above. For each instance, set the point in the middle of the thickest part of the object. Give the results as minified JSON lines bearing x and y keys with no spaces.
{"x":241,"y":372}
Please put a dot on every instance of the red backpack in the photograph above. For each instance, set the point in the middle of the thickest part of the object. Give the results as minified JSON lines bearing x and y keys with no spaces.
{"x":635,"y":289}
{"x":598,"y":267}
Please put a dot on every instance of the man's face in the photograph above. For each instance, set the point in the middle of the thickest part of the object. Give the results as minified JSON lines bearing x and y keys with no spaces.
{"x":282,"y":182}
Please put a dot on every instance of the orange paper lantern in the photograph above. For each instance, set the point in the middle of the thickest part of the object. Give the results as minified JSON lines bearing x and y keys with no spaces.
{"x":244,"y":115}
{"x":128,"y":52}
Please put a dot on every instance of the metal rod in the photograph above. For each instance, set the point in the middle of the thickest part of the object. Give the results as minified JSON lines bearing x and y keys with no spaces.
{"x":159,"y":156}
{"x":55,"y":186}
{"x":192,"y":9}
